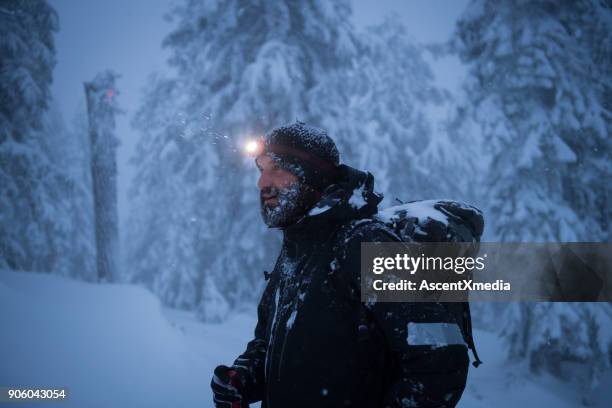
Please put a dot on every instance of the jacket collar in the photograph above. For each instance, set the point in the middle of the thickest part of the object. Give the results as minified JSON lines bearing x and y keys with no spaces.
{"x":352,"y":197}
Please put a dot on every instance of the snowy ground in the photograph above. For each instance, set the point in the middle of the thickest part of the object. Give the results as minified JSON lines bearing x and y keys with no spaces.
{"x":113,"y":346}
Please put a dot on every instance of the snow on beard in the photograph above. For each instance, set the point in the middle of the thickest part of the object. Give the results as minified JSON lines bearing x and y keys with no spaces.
{"x":293,"y":203}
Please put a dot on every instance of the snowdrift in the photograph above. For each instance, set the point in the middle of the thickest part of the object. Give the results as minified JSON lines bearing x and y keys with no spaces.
{"x":112,"y":345}
{"x":108,"y":344}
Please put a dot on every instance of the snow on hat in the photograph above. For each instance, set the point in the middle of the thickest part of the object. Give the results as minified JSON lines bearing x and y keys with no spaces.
{"x":306,"y":151}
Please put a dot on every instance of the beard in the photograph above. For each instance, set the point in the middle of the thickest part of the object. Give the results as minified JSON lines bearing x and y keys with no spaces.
{"x":293,"y":203}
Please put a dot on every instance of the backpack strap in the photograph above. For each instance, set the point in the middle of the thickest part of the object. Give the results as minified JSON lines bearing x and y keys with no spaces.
{"x":470,"y":337}
{"x":343,"y":235}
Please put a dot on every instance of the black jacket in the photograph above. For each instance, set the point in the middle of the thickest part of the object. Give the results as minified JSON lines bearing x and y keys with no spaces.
{"x":317,"y":346}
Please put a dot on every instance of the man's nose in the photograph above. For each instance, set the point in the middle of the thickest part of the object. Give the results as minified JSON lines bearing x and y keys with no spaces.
{"x":264,"y":181}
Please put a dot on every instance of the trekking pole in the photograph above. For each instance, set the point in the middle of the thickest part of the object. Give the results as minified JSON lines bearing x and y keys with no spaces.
{"x":235,"y":382}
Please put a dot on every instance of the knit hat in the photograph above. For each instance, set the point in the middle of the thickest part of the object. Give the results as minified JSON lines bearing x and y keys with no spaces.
{"x":306,"y":151}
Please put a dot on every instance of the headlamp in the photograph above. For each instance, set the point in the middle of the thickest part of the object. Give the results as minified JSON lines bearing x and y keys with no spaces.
{"x":253,"y":147}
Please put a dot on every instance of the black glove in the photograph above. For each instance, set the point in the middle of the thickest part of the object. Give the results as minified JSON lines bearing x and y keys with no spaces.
{"x":227,"y":385}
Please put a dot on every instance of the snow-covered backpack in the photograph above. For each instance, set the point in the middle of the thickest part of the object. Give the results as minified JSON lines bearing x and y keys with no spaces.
{"x":439,"y":221}
{"x":434,"y":221}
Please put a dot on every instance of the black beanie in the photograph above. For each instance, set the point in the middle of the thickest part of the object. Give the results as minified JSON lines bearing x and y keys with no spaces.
{"x":306,"y":151}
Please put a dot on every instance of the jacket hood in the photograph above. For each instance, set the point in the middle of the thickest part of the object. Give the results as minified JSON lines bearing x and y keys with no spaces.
{"x":351,"y":197}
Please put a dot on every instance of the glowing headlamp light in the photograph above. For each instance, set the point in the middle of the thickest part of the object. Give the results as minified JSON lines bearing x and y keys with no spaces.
{"x":253,"y":147}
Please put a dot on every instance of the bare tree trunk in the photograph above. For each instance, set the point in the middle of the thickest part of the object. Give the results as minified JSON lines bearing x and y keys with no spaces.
{"x":101,"y":109}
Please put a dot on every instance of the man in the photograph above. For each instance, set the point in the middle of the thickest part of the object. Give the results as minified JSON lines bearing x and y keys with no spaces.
{"x":316,"y":345}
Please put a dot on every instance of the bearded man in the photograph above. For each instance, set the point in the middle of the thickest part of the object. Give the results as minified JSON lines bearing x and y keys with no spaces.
{"x":315,"y":344}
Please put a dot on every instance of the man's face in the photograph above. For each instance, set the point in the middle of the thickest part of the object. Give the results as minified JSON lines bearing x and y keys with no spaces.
{"x":283,"y":198}
{"x":272,"y":178}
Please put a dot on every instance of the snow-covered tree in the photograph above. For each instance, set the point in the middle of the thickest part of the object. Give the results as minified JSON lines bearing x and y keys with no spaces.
{"x":538,"y":94}
{"x":29,"y":210}
{"x":76,"y":157}
{"x":383,"y":127}
{"x":45,"y":204}
{"x":154,"y":190}
{"x":397,"y":123}
{"x":101,"y":110}
{"x":69,"y":194}
{"x":539,"y":90}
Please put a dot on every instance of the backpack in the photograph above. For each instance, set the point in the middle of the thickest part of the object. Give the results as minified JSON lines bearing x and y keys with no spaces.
{"x":440,"y":221}
{"x":436,"y":221}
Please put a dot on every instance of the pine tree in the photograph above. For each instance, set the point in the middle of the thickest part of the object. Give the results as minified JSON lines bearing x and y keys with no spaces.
{"x":539,"y":90}
{"x":537,"y":94}
{"x":76,"y":156}
{"x":68,"y":184}
{"x":154,"y":190}
{"x":390,"y":118}
{"x":29,"y":209}
{"x":381,"y":113}
{"x":45,"y":209}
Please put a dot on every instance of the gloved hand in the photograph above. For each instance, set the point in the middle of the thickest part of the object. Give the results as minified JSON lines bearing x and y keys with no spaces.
{"x":227,"y":385}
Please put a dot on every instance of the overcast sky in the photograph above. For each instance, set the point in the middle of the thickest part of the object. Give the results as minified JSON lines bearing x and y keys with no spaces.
{"x":126,"y":36}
